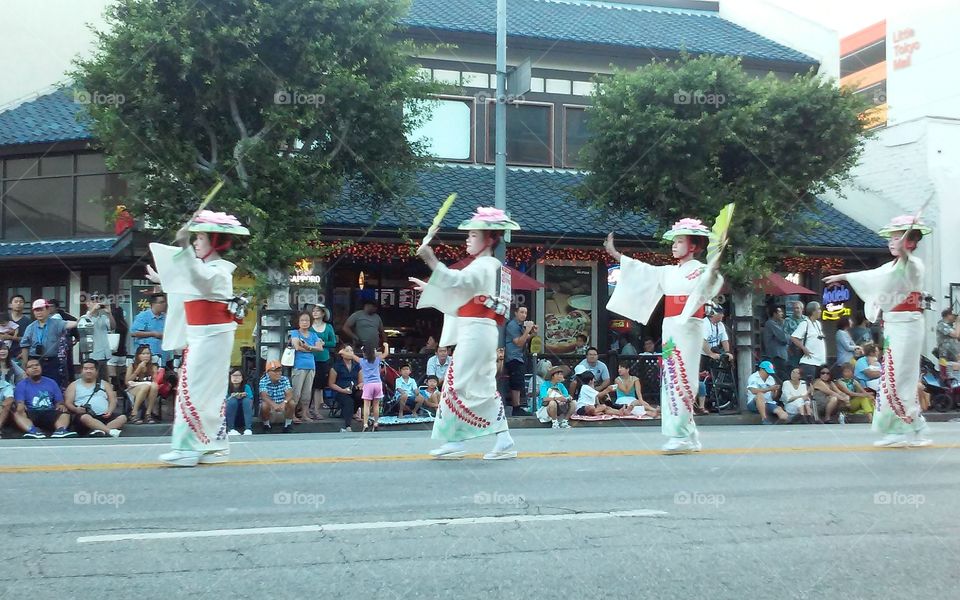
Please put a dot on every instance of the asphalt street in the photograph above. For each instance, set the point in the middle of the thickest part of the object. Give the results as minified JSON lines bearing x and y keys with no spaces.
{"x":763,"y":512}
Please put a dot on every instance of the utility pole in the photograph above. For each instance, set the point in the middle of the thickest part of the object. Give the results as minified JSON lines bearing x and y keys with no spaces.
{"x":500,"y":166}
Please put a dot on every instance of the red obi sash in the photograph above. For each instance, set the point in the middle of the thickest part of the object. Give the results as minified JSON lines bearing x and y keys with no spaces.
{"x":207,"y":312}
{"x":673,"y":306}
{"x":912,"y":303}
{"x":475,"y":308}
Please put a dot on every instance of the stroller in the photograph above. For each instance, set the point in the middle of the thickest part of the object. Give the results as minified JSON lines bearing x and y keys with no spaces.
{"x":944,"y":390}
{"x":721,"y":385}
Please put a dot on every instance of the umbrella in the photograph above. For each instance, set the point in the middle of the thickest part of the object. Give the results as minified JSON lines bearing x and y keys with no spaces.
{"x":776,"y":285}
{"x":518,"y":280}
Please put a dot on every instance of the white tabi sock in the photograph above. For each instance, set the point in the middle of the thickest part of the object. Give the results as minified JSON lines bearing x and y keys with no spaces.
{"x":504,"y":441}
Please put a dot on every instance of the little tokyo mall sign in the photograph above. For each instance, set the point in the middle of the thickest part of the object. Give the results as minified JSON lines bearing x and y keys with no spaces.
{"x":835,"y":298}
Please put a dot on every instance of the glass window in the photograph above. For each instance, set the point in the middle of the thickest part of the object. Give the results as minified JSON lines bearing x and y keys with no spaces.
{"x":21,"y":167}
{"x":91,"y":163}
{"x":529,"y":134}
{"x":448,"y":131}
{"x":56,"y":165}
{"x":38,"y":208}
{"x":93,"y":204}
{"x":575,"y":134}
{"x":568,"y":306}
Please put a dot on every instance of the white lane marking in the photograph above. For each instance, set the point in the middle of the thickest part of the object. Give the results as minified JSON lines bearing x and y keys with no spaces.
{"x":168,"y":535}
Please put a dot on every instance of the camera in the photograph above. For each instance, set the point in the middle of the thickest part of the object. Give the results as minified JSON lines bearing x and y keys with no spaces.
{"x":38,"y":349}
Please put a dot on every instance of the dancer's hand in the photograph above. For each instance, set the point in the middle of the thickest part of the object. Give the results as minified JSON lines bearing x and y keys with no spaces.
{"x":183,"y":236}
{"x":830,"y":279}
{"x":610,"y":248}
{"x":152,"y":274}
{"x":427,"y":255}
{"x":418,"y":284}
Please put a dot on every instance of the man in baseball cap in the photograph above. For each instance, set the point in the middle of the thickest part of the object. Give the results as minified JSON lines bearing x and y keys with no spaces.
{"x":276,"y":396}
{"x":762,"y":389}
{"x":41,"y":340}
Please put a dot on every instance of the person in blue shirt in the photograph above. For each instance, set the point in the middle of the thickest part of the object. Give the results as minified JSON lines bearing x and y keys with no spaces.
{"x":239,"y":394}
{"x":556,"y":399}
{"x":408,"y":394}
{"x":41,"y":340}
{"x":40,"y":405}
{"x":148,"y":326}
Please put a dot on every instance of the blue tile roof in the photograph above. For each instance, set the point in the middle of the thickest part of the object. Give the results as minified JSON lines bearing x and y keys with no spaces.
{"x":541,"y":201}
{"x":50,"y":248}
{"x":49,"y":118}
{"x":604,"y":23}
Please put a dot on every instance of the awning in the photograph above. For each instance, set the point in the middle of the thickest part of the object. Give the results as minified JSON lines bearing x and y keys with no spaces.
{"x":519,"y":281}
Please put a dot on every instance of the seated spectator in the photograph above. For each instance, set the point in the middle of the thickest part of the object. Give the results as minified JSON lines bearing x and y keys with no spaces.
{"x":93,"y":402}
{"x":39,"y":405}
{"x":649,"y":346}
{"x":407,"y":395}
{"x":588,"y":402}
{"x":867,"y":370}
{"x":761,"y":389}
{"x":825,"y":396}
{"x":6,"y":403}
{"x":860,"y":401}
{"x":9,"y":370}
{"x":432,"y":393}
{"x":142,"y":384}
{"x":239,"y":394}
{"x":629,"y":393}
{"x":276,"y":396}
{"x":593,"y":363}
{"x":626,"y":345}
{"x":556,"y":399}
{"x":438,"y":364}
{"x":430,"y":347}
{"x":795,"y":396}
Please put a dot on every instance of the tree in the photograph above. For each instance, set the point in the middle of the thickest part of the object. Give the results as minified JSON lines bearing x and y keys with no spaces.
{"x":675,"y":139}
{"x":285,"y":101}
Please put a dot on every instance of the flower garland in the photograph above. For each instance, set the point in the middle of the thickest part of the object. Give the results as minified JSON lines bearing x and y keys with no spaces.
{"x":811,"y":264}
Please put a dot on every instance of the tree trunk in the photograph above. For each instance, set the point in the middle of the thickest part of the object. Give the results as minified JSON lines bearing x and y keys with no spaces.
{"x":743,"y":336}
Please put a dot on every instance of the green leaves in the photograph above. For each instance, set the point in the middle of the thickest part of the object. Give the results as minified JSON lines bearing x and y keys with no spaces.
{"x":684,"y":138}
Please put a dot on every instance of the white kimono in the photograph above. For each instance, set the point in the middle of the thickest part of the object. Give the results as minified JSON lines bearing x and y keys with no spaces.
{"x":470,"y":405}
{"x":881,"y":289}
{"x":636,"y":297}
{"x":200,"y":421}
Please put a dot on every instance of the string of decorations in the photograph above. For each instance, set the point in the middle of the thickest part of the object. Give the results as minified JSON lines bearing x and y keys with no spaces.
{"x":811,"y":264}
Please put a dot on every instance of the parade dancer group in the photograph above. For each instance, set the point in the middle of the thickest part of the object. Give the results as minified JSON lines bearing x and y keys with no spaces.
{"x":475,"y":299}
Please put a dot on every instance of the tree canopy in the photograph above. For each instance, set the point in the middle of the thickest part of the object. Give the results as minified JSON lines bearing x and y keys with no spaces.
{"x":683,"y":138}
{"x":283,"y":100}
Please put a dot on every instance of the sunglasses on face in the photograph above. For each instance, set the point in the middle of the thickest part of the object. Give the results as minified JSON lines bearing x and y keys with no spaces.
{"x":824,"y":373}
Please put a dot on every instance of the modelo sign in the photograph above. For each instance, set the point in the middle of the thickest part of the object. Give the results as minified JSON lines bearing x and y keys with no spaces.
{"x":835,"y":298}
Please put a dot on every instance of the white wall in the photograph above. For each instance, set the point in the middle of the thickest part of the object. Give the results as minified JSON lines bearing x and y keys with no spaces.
{"x":787,"y":28}
{"x":40,"y":39}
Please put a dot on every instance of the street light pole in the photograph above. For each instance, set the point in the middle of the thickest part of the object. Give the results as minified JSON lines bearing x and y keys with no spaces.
{"x":500,"y":166}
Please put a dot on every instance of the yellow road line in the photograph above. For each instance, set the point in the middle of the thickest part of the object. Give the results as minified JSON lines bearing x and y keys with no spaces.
{"x":322,"y":460}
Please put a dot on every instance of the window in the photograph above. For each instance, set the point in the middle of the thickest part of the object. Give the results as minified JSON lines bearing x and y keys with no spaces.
{"x":575,"y":134}
{"x":58,"y":196}
{"x":529,"y":133}
{"x":448,"y":131}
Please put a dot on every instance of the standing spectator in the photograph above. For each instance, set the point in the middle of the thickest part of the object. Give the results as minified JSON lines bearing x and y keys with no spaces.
{"x":438,"y":364}
{"x":430,"y":347}
{"x":790,"y":325}
{"x":372,"y":390}
{"x":276,"y":396}
{"x":846,"y":347}
{"x":948,"y":336}
{"x":809,"y":339}
{"x":305,"y":342}
{"x":795,"y":396}
{"x":117,"y":363}
{"x":148,"y":326}
{"x":56,"y":312}
{"x":239,"y":394}
{"x":517,"y":332}
{"x":9,"y":370}
{"x":22,"y":320}
{"x":41,"y":340}
{"x":142,"y":385}
{"x":40,"y":404}
{"x":99,"y":314}
{"x":6,"y":403}
{"x":861,"y":333}
{"x":556,"y":399}
{"x":775,"y":342}
{"x":761,"y":389}
{"x":365,"y":327}
{"x":93,"y":403}
{"x":867,"y":370}
{"x":344,"y":379}
{"x":321,"y":358}
{"x":626,"y":345}
{"x":715,"y":338}
{"x":600,"y":371}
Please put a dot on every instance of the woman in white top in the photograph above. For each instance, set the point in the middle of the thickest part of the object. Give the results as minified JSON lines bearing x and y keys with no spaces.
{"x":796,"y":397}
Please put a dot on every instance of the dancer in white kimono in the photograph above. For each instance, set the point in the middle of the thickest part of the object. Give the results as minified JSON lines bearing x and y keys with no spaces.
{"x":199,"y":287}
{"x":470,"y":405}
{"x":686,"y":287}
{"x":894,"y":288}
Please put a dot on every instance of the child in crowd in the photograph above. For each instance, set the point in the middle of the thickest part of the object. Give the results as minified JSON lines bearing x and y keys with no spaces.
{"x":408,"y":395}
{"x":372,"y":384}
{"x":432,"y":395}
{"x":588,"y":401}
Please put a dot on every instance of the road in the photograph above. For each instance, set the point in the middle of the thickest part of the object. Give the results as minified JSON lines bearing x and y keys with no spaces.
{"x":763,"y":512}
